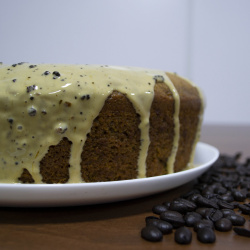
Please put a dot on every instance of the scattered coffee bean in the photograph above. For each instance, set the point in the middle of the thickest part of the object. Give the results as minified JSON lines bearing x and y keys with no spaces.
{"x":151,"y":218}
{"x":202,"y":211}
{"x":245,"y":184}
{"x":235,"y":203}
{"x":177,"y":206}
{"x":208,"y":191}
{"x":225,"y":205}
{"x":242,"y":231}
{"x":183,"y":235}
{"x":244,"y":209}
{"x":182,"y":206}
{"x":216,"y":185}
{"x":158,"y":209}
{"x":191,"y":206}
{"x":214,"y":199}
{"x":239,"y":195}
{"x":166,"y":204}
{"x":192,"y":192}
{"x":194,"y":197}
{"x":202,"y":224}
{"x":236,"y":219}
{"x":151,"y":233}
{"x":223,"y":225}
{"x":206,"y":235}
{"x":247,"y":204}
{"x":201,"y":186}
{"x":227,"y":197}
{"x":217,"y":193}
{"x":220,"y":190}
{"x":191,"y":218}
{"x":213,"y":215}
{"x":227,"y":212}
{"x":162,"y":225}
{"x":204,"y":202}
{"x":174,"y":218}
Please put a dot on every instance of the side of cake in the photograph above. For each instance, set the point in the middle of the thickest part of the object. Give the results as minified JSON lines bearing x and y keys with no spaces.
{"x":85,"y":123}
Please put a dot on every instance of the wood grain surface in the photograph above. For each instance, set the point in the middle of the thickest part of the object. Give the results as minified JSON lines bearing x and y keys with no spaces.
{"x":115,"y":225}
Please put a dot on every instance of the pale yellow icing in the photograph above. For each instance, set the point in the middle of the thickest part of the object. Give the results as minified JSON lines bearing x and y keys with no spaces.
{"x":171,"y":158}
{"x":63,"y":100}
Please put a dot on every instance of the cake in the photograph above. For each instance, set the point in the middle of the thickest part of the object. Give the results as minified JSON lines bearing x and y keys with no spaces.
{"x":93,"y":123}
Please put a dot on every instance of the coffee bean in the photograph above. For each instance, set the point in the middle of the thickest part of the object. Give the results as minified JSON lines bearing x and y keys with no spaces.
{"x":235,"y":204}
{"x":206,"y":235}
{"x":223,"y":225}
{"x":242,"y":231}
{"x":151,"y":233}
{"x":211,"y":203}
{"x":204,"y":202}
{"x":202,"y":211}
{"x":208,"y":191}
{"x":236,"y":219}
{"x":183,"y":235}
{"x":192,"y":192}
{"x":217,"y":178}
{"x":247,"y":204}
{"x":201,"y":186}
{"x":241,"y":170}
{"x":245,"y":184}
{"x":229,"y":184}
{"x":190,"y":204}
{"x":162,"y":225}
{"x":227,"y":197}
{"x":158,"y":209}
{"x":216,"y":185}
{"x":182,"y":205}
{"x":227,"y":212}
{"x":151,"y":218}
{"x":213,"y":214}
{"x":239,"y":195}
{"x":191,"y":218}
{"x":202,"y":224}
{"x":194,"y":197}
{"x":214,"y":199}
{"x":166,"y":204}
{"x":220,"y":190}
{"x":206,"y":177}
{"x":244,"y":209}
{"x":178,"y":206}
{"x":174,"y":218}
{"x":225,"y":205}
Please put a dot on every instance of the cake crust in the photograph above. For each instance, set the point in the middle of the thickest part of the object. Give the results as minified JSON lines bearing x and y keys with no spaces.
{"x":111,"y":150}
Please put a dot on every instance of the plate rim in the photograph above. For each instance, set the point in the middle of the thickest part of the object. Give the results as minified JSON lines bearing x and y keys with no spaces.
{"x":98,"y":188}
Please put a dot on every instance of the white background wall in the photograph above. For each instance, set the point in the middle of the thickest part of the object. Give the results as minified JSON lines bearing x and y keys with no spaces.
{"x":207,"y":41}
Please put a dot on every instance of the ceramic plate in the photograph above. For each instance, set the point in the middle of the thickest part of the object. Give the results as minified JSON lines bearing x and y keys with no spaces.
{"x":52,"y":195}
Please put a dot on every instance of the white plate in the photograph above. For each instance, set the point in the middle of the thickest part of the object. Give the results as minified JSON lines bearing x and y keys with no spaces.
{"x":52,"y":195}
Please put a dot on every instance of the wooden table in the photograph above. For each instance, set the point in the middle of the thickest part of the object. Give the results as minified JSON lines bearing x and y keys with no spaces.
{"x":115,"y":225}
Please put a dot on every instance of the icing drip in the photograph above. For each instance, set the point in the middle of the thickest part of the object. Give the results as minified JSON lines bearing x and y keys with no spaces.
{"x":171,"y":159}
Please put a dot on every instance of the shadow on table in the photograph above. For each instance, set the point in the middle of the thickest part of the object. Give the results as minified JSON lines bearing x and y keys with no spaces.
{"x":9,"y":215}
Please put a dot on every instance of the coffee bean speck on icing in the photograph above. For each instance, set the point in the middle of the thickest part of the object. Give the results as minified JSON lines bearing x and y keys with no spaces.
{"x":42,"y":103}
